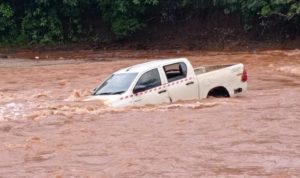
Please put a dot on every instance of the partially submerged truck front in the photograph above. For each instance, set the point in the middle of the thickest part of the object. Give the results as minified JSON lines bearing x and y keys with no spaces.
{"x":133,"y":86}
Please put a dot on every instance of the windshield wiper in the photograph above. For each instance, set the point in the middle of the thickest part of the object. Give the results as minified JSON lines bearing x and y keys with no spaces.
{"x":111,"y":93}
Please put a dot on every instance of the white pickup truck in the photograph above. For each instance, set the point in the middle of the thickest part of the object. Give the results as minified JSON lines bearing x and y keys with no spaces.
{"x":167,"y":81}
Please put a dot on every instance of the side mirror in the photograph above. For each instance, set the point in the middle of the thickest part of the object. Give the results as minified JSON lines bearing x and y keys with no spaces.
{"x":139,"y":88}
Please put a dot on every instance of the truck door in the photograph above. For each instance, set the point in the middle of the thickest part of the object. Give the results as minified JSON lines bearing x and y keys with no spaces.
{"x":180,"y":86}
{"x":149,"y":89}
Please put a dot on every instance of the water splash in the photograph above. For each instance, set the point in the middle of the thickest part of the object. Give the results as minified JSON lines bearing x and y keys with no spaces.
{"x":11,"y":111}
{"x":292,"y":70}
{"x":78,"y":95}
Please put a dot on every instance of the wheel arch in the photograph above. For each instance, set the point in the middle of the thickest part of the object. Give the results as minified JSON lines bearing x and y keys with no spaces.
{"x":219,"y":91}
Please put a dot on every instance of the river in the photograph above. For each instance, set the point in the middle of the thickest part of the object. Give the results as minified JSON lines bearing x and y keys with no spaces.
{"x":47,"y":130}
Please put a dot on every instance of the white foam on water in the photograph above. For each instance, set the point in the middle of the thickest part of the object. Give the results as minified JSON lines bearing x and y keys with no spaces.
{"x":184,"y":105}
{"x":1,"y":113}
{"x":293,"y":52}
{"x":293,"y":70}
{"x":11,"y":110}
{"x":78,"y":95}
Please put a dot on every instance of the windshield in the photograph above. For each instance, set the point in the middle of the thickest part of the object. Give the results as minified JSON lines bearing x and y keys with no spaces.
{"x":116,"y":84}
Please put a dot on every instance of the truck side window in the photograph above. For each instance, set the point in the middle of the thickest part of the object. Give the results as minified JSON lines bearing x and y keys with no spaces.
{"x":148,"y":80}
{"x":175,"y":71}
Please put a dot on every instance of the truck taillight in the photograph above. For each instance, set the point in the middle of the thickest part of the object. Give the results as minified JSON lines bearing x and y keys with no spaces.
{"x":244,"y":76}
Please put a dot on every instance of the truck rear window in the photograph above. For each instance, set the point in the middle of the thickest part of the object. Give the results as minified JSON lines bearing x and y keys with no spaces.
{"x":175,"y":71}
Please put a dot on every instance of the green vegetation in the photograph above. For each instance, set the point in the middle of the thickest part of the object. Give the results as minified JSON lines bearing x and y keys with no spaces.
{"x":60,"y":21}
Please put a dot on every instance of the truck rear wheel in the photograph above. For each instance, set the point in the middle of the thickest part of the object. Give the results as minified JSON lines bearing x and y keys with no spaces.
{"x":218,"y":92}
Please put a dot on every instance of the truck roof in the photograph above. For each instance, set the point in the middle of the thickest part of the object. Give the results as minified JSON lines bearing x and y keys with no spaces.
{"x":150,"y":65}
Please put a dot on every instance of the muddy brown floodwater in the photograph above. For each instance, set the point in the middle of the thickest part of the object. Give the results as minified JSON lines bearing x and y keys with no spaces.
{"x":46,"y":130}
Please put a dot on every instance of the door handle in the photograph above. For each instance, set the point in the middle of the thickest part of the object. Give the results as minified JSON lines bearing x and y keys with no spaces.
{"x":162,"y":91}
{"x":190,"y":83}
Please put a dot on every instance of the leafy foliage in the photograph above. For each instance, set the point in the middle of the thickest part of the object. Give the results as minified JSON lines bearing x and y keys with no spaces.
{"x":6,"y":22}
{"x":39,"y":27}
{"x":125,"y":16}
{"x":59,"y":21}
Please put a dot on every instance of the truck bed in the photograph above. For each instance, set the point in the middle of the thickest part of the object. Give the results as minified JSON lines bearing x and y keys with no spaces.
{"x":205,"y":69}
